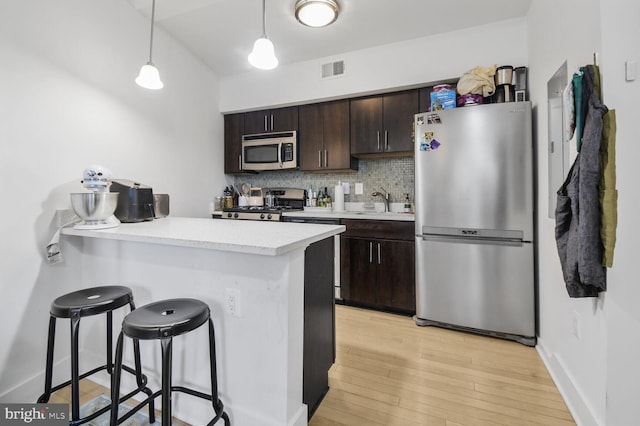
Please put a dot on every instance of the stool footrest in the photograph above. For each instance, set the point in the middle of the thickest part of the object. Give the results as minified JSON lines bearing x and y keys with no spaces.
{"x":106,"y":408}
{"x":151,"y":397}
{"x":44,"y":398}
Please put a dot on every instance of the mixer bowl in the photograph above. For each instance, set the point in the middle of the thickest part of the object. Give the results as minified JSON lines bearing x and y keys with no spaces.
{"x":94,"y":207}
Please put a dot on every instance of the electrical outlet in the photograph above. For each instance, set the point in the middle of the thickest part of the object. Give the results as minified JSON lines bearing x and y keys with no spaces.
{"x":232,"y":302}
{"x":576,"y":325}
{"x":64,"y":217}
{"x":359,"y":188}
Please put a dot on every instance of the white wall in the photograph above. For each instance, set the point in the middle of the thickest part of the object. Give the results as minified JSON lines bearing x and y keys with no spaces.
{"x":596,"y":373}
{"x":620,"y":43}
{"x":68,"y":100}
{"x":387,"y":67}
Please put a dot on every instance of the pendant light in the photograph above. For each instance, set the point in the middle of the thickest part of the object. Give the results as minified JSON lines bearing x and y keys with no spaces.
{"x":149,"y":77}
{"x":317,"y":13}
{"x":263,"y":55}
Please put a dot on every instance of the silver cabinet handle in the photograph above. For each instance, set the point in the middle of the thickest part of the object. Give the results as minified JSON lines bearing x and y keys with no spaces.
{"x":378,"y":140}
{"x":378,"y":253}
{"x":319,"y":158}
{"x":370,"y":252}
{"x":386,"y":140}
{"x":265,"y":123}
{"x":240,"y":162}
{"x":272,"y":122}
{"x":325,"y":159}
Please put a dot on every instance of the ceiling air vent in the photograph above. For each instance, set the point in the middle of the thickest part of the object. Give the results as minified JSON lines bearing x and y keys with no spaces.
{"x":333,"y":69}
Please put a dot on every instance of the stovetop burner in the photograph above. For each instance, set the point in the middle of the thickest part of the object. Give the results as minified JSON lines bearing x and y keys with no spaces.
{"x":286,"y":199}
{"x":257,"y":209}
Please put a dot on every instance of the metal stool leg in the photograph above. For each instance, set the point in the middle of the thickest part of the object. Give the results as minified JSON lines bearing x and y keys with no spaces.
{"x":140,"y":380}
{"x":109,"y":359}
{"x":166,"y":380}
{"x":75,"y":381}
{"x":115,"y":381}
{"x":48,"y":378}
{"x":215,"y":400}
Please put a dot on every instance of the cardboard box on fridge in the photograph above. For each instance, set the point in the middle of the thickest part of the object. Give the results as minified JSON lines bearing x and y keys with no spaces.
{"x":443,"y":98}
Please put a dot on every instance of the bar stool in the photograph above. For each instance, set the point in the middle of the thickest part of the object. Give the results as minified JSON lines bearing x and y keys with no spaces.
{"x":84,"y":303}
{"x":162,"y":321}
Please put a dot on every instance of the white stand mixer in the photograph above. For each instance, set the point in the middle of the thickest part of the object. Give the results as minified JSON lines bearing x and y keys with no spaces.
{"x":96,"y":208}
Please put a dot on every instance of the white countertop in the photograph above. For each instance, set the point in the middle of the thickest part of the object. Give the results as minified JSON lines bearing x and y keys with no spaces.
{"x":240,"y":236}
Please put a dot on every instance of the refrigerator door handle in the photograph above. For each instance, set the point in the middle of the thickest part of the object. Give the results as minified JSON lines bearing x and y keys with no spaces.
{"x":474,"y":240}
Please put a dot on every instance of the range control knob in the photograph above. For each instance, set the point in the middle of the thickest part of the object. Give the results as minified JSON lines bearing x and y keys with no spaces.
{"x":236,"y":215}
{"x":261,"y":215}
{"x":229,"y":215}
{"x":269,"y":216}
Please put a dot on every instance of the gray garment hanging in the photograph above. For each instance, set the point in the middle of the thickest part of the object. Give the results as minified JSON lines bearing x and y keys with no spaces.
{"x":578,"y":213}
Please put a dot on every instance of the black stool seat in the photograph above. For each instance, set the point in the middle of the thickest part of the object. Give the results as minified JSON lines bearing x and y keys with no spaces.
{"x":164,"y":320}
{"x":91,"y":301}
{"x":83,"y":303}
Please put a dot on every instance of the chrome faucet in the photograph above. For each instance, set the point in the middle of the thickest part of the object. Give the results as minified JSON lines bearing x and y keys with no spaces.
{"x":385,"y":196}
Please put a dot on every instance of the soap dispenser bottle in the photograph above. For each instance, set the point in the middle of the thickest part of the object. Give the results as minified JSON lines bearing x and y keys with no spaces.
{"x":407,"y":204}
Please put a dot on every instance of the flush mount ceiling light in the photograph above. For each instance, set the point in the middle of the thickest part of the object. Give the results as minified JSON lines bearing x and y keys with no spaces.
{"x":316,"y":13}
{"x":263,"y":55}
{"x":149,"y":77}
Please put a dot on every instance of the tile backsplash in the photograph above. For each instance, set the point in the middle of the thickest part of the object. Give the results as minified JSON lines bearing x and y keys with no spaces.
{"x":396,"y":175}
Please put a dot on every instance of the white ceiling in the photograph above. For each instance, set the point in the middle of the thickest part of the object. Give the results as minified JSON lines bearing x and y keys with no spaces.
{"x":222,"y":32}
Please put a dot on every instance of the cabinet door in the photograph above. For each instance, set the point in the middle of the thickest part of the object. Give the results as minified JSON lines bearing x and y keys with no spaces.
{"x":256,"y":122}
{"x":233,"y":130}
{"x":398,"y":115}
{"x":310,"y":137}
{"x":396,"y":275}
{"x":358,"y":277}
{"x":366,"y":125}
{"x":336,"y":136}
{"x":271,"y":120}
{"x":282,"y":119}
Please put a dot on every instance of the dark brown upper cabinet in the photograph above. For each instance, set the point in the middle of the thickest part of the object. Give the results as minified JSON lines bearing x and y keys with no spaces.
{"x":233,"y":131}
{"x":271,"y":120}
{"x":382,"y":125}
{"x":323,"y":137}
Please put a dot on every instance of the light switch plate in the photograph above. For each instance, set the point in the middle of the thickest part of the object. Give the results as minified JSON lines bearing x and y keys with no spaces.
{"x":630,"y":70}
{"x":359,"y":188}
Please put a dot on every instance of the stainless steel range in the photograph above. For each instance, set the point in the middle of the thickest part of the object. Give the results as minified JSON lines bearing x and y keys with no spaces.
{"x":284,"y":199}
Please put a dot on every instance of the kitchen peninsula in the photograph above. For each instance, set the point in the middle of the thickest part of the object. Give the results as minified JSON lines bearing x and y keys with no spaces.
{"x":257,"y":278}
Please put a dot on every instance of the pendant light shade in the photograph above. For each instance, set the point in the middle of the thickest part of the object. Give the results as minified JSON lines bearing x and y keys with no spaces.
{"x":149,"y":77}
{"x":263,"y":55}
{"x":316,"y":13}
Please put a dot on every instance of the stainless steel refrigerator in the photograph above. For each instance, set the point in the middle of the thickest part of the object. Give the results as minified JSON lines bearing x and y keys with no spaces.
{"x":474,"y":205}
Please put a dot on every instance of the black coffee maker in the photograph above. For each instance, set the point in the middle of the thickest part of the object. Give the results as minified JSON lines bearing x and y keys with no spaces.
{"x":135,"y":201}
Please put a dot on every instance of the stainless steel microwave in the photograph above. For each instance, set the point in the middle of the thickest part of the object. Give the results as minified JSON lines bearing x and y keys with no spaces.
{"x":270,"y":151}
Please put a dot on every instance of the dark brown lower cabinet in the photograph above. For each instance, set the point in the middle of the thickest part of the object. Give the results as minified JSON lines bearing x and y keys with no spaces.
{"x":378,"y":264}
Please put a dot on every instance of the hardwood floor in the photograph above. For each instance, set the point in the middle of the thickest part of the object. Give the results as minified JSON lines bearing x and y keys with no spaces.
{"x":389,"y":371}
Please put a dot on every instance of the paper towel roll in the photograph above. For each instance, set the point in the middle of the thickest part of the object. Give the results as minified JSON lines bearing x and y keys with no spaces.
{"x":338,"y":198}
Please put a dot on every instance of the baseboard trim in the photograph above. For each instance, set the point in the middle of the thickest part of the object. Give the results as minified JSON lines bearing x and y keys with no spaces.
{"x":571,"y":394}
